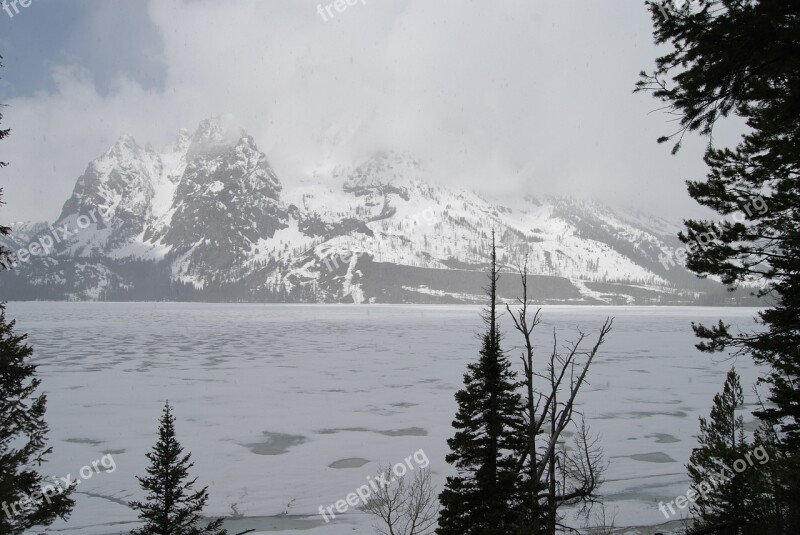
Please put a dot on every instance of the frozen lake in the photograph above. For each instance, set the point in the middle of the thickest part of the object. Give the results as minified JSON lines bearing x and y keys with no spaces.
{"x":289,"y":407}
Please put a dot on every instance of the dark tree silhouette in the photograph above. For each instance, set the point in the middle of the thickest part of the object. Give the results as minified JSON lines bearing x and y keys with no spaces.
{"x":742,"y":57}
{"x":553,"y":476}
{"x":482,"y":498}
{"x":173,"y":507}
{"x":725,"y":496}
{"x":28,"y":498}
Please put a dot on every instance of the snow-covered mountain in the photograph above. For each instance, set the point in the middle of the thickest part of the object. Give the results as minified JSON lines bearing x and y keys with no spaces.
{"x":207,"y":218}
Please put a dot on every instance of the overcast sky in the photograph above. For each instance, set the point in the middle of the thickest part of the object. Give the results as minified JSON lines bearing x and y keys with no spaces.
{"x":528,"y":96}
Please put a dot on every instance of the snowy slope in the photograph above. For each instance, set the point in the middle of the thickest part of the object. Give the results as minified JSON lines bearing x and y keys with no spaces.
{"x":207,"y":217}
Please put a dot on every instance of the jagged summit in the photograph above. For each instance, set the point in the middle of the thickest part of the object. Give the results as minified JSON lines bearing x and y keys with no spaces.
{"x":181,"y":143}
{"x":214,"y":136}
{"x":208,"y":217}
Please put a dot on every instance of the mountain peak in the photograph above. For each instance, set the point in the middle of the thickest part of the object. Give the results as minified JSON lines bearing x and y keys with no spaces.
{"x":215,"y":135}
{"x":181,"y":143}
{"x":124,"y":144}
{"x":209,"y":212}
{"x":384,"y":168}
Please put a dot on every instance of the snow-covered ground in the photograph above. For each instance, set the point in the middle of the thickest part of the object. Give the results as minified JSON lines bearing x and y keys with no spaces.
{"x":289,"y":407}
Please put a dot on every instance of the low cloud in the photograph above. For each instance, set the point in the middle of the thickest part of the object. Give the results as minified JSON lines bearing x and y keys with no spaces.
{"x":524,"y":97}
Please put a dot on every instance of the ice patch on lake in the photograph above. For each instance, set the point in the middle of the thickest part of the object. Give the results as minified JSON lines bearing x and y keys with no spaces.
{"x":355,"y":462}
{"x":275,"y":443}
{"x":333,"y":384}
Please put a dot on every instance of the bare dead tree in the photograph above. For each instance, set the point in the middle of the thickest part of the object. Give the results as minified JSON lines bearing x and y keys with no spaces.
{"x":603,"y":522}
{"x":532,"y":400}
{"x":555,"y":476}
{"x":407,"y":507}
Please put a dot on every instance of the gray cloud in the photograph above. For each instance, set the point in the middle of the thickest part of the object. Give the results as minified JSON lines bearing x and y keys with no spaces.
{"x":525,"y":97}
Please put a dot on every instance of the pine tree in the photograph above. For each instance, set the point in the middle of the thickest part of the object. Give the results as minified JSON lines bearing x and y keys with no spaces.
{"x":483,"y":497}
{"x":722,"y":493}
{"x":741,"y":57}
{"x":173,"y":507}
{"x":23,"y":431}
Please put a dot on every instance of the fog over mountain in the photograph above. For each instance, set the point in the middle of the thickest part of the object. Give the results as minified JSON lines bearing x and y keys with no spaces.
{"x":208,"y":218}
{"x":531,"y":98}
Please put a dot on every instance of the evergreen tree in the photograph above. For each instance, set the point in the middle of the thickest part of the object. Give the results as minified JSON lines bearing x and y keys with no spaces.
{"x":173,"y":507}
{"x":743,"y":58}
{"x":483,"y":497}
{"x":724,"y":496}
{"x":23,"y":431}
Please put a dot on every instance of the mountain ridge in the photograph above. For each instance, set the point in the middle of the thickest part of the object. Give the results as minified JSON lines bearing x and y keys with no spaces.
{"x":208,"y":218}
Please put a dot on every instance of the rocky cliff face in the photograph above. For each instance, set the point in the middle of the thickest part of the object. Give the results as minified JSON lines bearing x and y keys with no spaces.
{"x":208,"y":218}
